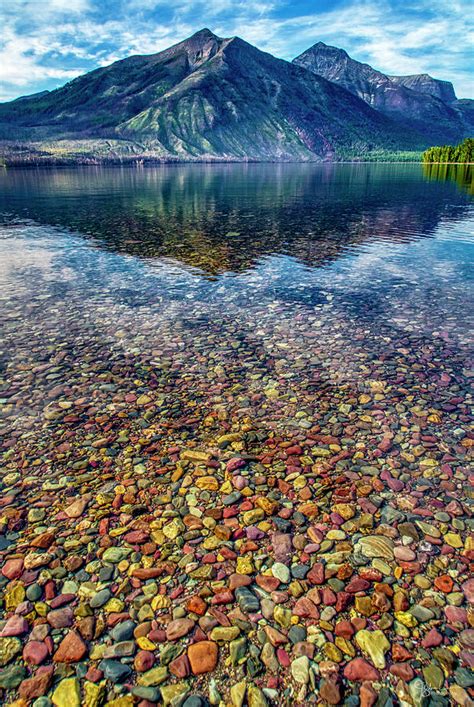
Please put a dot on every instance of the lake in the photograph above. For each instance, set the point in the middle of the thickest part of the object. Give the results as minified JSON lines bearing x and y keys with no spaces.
{"x":210,"y":371}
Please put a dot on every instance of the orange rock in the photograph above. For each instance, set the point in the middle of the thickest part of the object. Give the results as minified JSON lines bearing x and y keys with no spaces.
{"x":71,"y":649}
{"x":203,"y":656}
{"x":196,"y":605}
{"x":444,"y":583}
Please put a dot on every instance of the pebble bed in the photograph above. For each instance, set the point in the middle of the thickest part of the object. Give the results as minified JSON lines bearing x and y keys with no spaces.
{"x":231,"y":501}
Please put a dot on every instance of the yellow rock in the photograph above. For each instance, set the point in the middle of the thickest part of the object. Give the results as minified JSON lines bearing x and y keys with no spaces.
{"x":406,"y":619}
{"x":67,"y":693}
{"x":332,"y":652}
{"x":253,"y":516}
{"x":269,"y":507}
{"x":207,"y":483}
{"x":94,"y":694}
{"x":160,"y":601}
{"x":374,"y":644}
{"x":345,"y":646}
{"x":453,"y":539}
{"x":97,"y":651}
{"x":124,"y":701}
{"x":244,"y":565}
{"x":14,"y":596}
{"x":344,"y":510}
{"x":114,"y":606}
{"x":145,"y":644}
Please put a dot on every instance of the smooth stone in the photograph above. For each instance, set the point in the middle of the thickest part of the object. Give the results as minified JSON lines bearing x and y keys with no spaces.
{"x":300,"y":669}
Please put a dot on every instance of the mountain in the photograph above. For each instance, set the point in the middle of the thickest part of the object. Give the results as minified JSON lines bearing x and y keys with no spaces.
{"x":214,"y":98}
{"x":424,"y":83}
{"x":418,"y":102}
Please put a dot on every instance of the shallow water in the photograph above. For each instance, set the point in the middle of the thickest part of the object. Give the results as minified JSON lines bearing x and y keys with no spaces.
{"x":261,"y":275}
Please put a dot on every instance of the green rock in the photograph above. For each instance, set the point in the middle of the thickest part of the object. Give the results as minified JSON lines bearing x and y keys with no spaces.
{"x":224,"y":633}
{"x":238,"y":650}
{"x":12,"y":676}
{"x":9,"y":648}
{"x":255,"y":697}
{"x":153,"y":677}
{"x":237,"y":693}
{"x":171,"y":692}
{"x":116,"y":554}
{"x":375,"y":546}
{"x":300,"y":669}
{"x":434,"y":676}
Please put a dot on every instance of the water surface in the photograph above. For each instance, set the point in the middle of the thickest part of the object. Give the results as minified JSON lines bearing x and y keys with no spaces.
{"x":273,"y":280}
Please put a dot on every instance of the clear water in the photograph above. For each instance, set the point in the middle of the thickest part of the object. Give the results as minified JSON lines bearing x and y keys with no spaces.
{"x":271,"y":293}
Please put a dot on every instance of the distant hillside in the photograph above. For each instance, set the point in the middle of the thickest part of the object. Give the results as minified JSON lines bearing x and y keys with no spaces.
{"x":418,"y":102}
{"x":214,"y":98}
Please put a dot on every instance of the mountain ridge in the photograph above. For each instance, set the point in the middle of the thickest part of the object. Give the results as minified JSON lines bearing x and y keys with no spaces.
{"x":418,"y":100}
{"x":206,"y":97}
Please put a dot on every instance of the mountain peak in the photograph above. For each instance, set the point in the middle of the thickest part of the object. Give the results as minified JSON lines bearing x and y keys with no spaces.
{"x":326,"y":49}
{"x":204,"y":33}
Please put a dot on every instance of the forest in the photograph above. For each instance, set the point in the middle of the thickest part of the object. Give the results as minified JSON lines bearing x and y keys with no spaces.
{"x":464,"y":152}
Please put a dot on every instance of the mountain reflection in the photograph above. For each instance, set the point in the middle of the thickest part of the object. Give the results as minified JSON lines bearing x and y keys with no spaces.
{"x":222,"y":218}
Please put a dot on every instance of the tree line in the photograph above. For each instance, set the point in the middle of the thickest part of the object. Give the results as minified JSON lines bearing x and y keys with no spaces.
{"x":464,"y":152}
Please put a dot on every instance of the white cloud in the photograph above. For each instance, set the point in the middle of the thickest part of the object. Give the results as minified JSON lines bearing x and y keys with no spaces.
{"x":63,"y":38}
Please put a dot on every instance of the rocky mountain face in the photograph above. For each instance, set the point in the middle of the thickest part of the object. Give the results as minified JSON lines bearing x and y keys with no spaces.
{"x":214,"y":98}
{"x":419,"y":102}
{"x":424,"y":83}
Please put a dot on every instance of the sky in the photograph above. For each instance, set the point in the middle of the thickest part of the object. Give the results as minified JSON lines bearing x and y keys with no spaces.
{"x":46,"y":43}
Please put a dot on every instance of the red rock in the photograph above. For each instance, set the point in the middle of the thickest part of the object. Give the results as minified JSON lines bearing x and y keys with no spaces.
{"x":269,"y":584}
{"x":35,"y":652}
{"x":400,"y":653}
{"x":468,"y":589}
{"x":203,"y":657}
{"x":432,"y":639}
{"x":144,"y":660}
{"x":226,"y":596}
{"x":275,"y":637}
{"x":15,"y":626}
{"x":283,"y":657}
{"x":71,"y":649}
{"x":38,"y":685}
{"x":147,"y":572}
{"x":282,"y":547}
{"x":12,"y":569}
{"x":360,"y":669}
{"x":239,"y":580}
{"x":179,"y":628}
{"x":179,"y":667}
{"x":344,"y":629}
{"x":357,"y":584}
{"x":403,"y":671}
{"x":60,"y":618}
{"x":316,"y":574}
{"x":61,"y":599}
{"x":328,"y":597}
{"x":305,"y":608}
{"x":136,"y":537}
{"x":94,"y":674}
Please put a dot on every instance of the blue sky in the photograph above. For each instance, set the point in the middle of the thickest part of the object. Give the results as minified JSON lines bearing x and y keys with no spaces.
{"x":48,"y":42}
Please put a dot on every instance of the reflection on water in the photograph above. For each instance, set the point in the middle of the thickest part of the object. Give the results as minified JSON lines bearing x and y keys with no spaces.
{"x":283,"y":278}
{"x":462,"y":174}
{"x":226,"y":217}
